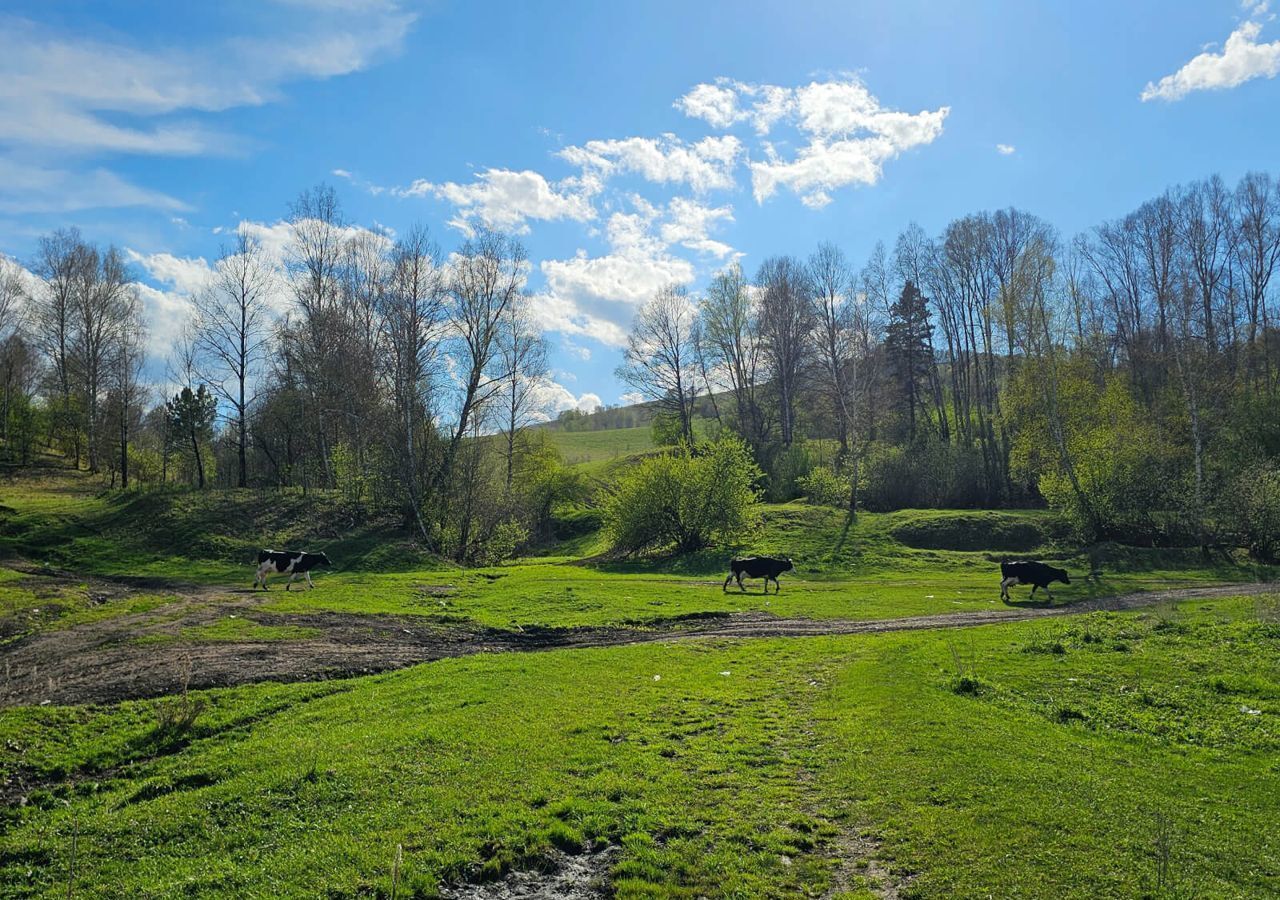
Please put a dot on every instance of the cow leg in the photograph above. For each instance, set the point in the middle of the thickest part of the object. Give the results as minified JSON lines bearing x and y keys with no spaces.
{"x":289,"y":586}
{"x":777,"y":585}
{"x":741,"y":588}
{"x":1034,"y":588}
{"x":725,"y":589}
{"x":1049,"y":592}
{"x":309,"y":584}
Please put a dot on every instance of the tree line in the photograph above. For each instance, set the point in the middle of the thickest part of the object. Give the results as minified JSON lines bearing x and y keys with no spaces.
{"x":1129,"y":376}
{"x":362,"y":362}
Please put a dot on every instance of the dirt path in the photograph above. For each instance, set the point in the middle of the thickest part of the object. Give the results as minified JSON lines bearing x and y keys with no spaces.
{"x":136,"y":655}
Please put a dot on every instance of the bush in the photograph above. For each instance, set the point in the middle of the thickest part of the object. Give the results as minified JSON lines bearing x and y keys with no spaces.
{"x":824,"y":487}
{"x":926,"y":475}
{"x":666,"y":429}
{"x":684,"y":500}
{"x":1253,"y":507}
{"x":787,"y":467}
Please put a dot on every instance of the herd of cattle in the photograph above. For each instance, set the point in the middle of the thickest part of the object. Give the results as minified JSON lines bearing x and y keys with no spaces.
{"x":295,"y":563}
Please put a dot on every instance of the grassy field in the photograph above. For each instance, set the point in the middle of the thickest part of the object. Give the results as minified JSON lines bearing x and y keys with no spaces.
{"x":1100,"y":755}
{"x":1118,"y":755}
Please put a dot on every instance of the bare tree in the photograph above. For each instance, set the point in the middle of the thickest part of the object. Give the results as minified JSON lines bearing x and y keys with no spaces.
{"x":731,"y":344}
{"x":524,"y":362}
{"x":101,"y":303}
{"x":411,"y":317}
{"x":232,"y":332}
{"x":1257,"y":249}
{"x":786,"y":323}
{"x":833,"y":306}
{"x":59,"y":260}
{"x":1205,"y":228}
{"x":488,"y":276}
{"x":125,"y":375}
{"x":661,"y":359}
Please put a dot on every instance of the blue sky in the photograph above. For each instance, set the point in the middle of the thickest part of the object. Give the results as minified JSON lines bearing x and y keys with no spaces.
{"x":630,"y":144}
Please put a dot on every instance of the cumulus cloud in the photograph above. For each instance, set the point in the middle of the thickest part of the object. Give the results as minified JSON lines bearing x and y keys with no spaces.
{"x":1242,"y":59}
{"x":703,"y":165}
{"x":186,"y":274}
{"x":166,"y":314}
{"x":550,"y":398}
{"x":690,"y":223}
{"x":1006,"y":149}
{"x":507,"y":200}
{"x":597,"y":296}
{"x":849,"y":135}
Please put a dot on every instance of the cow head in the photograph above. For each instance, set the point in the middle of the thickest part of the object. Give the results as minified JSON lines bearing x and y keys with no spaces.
{"x":789,"y":566}
{"x":1061,"y":575}
{"x":324,"y":559}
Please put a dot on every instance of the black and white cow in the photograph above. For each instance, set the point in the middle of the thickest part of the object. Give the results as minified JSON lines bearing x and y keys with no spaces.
{"x":1036,"y":574}
{"x":288,"y":562}
{"x":766,"y":567}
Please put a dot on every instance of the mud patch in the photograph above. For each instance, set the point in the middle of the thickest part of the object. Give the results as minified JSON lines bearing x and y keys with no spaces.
{"x":584,"y":876}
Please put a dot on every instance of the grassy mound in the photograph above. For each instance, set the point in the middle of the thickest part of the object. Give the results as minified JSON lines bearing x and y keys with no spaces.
{"x":65,"y":519}
{"x":979,"y":530}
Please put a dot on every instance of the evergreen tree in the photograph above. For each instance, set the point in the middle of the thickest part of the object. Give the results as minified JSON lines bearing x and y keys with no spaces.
{"x":909,"y":349}
{"x":191,"y":416}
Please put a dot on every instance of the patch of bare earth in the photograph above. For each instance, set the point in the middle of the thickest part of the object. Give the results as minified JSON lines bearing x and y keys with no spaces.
{"x":581,"y":876}
{"x":858,"y":867}
{"x":143,"y":655}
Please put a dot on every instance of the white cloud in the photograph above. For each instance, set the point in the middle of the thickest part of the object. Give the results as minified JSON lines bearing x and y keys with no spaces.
{"x":849,"y":134}
{"x":507,"y":200}
{"x":550,"y":398}
{"x":186,"y":274}
{"x":714,"y":103}
{"x":1006,"y":149}
{"x":67,"y":94}
{"x":58,"y":90}
{"x":690,"y":223}
{"x":1242,"y":59}
{"x":631,"y":398}
{"x":26,"y":189}
{"x":581,"y":352}
{"x":703,"y":165}
{"x":166,"y":314}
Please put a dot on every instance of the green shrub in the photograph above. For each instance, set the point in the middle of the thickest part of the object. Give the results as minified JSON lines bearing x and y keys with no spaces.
{"x":786,"y":467}
{"x":1253,"y":505}
{"x":824,"y":487}
{"x":684,"y":500}
{"x":925,"y":475}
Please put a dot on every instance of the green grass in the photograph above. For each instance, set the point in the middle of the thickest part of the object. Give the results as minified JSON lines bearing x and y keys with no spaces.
{"x":715,"y":784}
{"x":31,"y":603}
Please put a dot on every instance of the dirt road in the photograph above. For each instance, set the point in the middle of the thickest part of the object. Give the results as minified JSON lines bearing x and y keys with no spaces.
{"x":134,"y":656}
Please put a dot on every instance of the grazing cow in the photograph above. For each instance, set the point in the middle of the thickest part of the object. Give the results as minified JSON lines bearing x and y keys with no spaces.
{"x":1036,"y":574}
{"x":766,"y":567}
{"x":289,"y":562}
